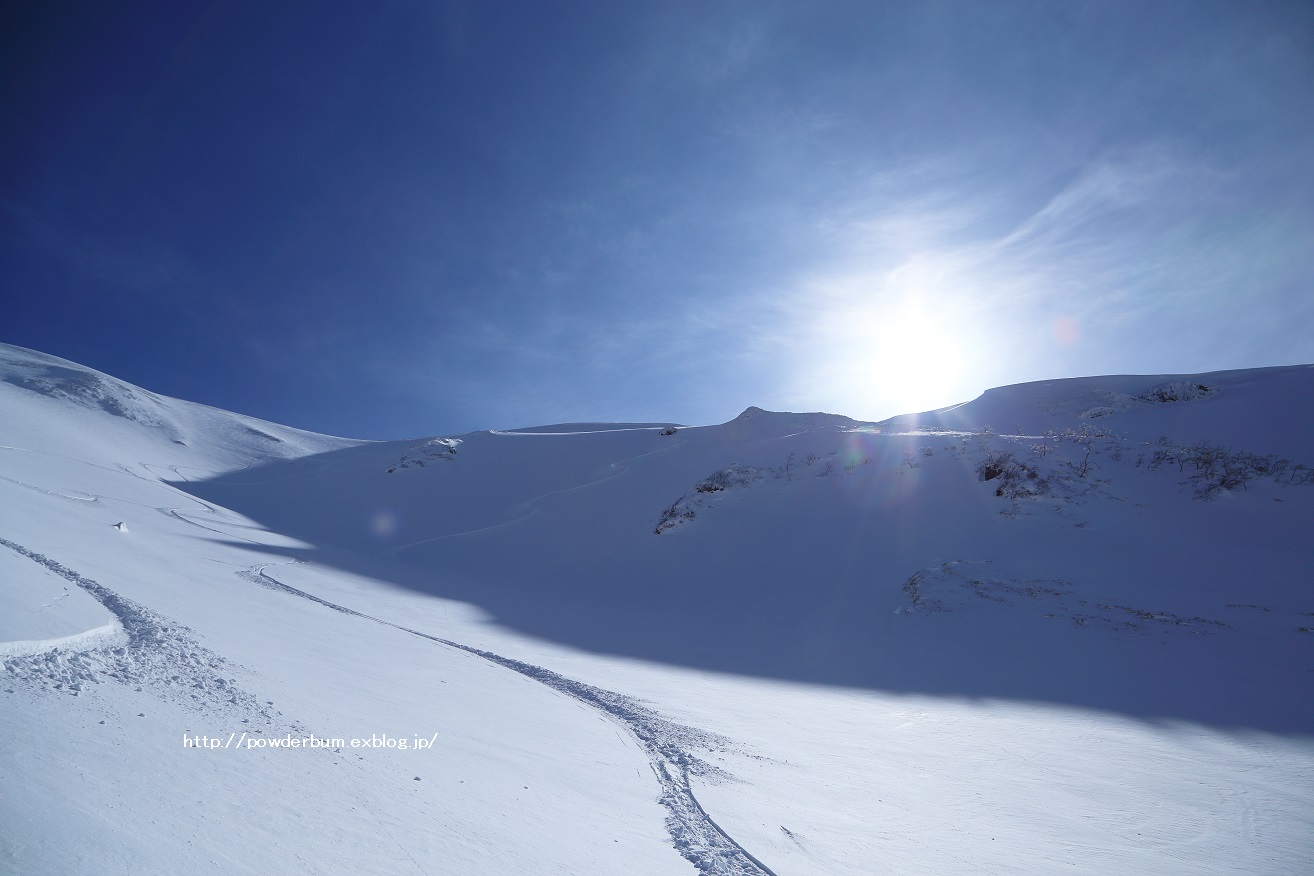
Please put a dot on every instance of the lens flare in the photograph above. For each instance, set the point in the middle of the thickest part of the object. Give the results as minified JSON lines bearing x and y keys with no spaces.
{"x":874,"y":473}
{"x":1067,"y":331}
{"x":384,"y":524}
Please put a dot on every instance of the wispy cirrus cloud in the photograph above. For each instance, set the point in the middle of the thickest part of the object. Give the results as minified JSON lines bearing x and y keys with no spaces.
{"x":1135,"y":243}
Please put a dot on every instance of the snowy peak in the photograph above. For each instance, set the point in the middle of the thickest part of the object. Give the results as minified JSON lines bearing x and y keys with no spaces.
{"x":752,"y":412}
{"x":760,"y":422}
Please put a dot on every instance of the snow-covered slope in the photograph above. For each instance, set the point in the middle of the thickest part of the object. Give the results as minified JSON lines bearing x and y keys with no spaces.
{"x":1064,"y":626}
{"x":779,"y":545}
{"x":79,"y":412}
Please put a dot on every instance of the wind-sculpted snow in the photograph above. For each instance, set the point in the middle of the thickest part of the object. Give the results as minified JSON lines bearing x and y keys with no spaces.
{"x":98,"y":412}
{"x":92,"y":390}
{"x":669,"y":745}
{"x":154,"y":654}
{"x":964,"y":585}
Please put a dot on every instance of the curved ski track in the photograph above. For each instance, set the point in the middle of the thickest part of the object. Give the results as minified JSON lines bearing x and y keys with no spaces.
{"x":698,"y":838}
{"x":151,"y":651}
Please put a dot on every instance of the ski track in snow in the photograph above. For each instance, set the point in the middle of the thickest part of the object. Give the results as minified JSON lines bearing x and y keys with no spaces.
{"x":150,"y":653}
{"x":56,"y":493}
{"x":698,"y":838}
{"x":527,"y":509}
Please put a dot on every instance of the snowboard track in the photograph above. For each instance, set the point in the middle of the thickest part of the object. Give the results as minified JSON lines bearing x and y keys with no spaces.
{"x":158,"y":655}
{"x":698,"y":838}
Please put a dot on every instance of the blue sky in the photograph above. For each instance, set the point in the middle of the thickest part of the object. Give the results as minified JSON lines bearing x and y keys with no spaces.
{"x":400,"y":219}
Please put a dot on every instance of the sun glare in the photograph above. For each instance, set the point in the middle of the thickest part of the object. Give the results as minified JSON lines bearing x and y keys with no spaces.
{"x":880,"y":344}
{"x":914,"y":361}
{"x":891,"y":345}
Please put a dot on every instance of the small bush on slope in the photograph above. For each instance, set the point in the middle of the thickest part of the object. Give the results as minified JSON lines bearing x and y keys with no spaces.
{"x":1216,"y":469}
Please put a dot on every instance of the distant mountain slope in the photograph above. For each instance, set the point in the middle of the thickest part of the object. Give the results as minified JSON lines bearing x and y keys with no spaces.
{"x":1066,"y":529}
{"x":1270,"y":406}
{"x":82,"y":409}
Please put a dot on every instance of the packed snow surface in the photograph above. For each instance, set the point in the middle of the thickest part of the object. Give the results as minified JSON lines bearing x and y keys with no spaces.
{"x":1065,"y":626}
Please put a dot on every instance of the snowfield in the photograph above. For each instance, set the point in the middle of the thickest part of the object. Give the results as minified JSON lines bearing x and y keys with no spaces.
{"x":1068,"y":626}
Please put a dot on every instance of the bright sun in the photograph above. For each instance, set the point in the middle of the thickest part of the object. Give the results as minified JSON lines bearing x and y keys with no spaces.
{"x":890,"y":343}
{"x":914,"y":361}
